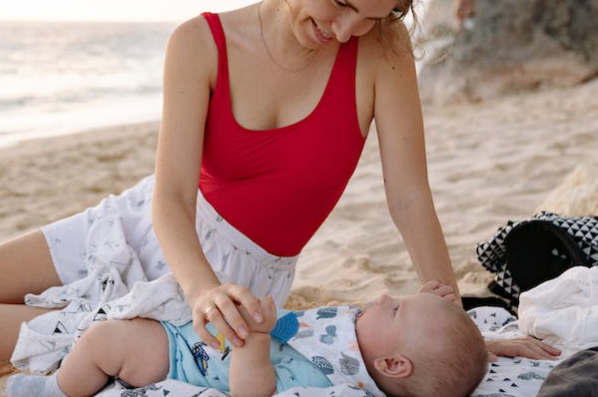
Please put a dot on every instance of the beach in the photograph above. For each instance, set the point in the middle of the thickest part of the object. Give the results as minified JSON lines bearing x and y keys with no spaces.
{"x":489,"y":162}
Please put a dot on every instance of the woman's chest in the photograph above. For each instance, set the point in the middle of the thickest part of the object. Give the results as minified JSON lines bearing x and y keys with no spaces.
{"x":263,"y":96}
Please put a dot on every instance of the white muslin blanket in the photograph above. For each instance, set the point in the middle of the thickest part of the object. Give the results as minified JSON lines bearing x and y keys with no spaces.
{"x":563,"y":311}
{"x":116,"y":288}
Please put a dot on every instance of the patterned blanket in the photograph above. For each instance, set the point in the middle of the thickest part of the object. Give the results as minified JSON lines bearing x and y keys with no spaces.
{"x":114,"y":291}
{"x":508,"y":377}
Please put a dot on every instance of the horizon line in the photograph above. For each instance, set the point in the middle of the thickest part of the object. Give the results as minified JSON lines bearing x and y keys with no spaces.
{"x":63,"y":20}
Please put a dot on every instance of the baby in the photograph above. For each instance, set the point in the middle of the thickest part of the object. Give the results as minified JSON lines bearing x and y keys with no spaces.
{"x":422,"y":345}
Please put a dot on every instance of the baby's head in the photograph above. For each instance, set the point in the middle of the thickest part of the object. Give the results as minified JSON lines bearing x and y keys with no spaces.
{"x":422,"y":345}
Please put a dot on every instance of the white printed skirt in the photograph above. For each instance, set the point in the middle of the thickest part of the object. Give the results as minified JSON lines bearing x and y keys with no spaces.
{"x":232,"y":255}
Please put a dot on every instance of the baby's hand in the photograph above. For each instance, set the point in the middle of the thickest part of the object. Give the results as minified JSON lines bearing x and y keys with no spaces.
{"x":440,"y":289}
{"x":269,"y":309}
{"x":521,"y":347}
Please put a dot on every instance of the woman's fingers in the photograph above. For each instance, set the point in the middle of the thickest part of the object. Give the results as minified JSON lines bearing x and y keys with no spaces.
{"x":231,"y":315}
{"x":271,"y":307}
{"x":199,"y":325}
{"x":246,"y":299}
{"x":221,"y":307}
{"x":214,"y":315}
{"x":440,"y":289}
{"x":272,"y":304}
{"x":450,"y":297}
{"x":223,"y":325}
{"x":430,"y":286}
{"x":444,"y":290}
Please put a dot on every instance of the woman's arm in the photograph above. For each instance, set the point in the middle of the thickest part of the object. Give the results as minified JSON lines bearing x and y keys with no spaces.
{"x":397,"y":111}
{"x":190,"y":67}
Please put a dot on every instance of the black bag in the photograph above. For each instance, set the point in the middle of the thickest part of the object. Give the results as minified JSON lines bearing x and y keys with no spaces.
{"x":525,"y":254}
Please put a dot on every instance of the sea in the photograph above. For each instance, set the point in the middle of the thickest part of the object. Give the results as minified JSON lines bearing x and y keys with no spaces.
{"x":59,"y":78}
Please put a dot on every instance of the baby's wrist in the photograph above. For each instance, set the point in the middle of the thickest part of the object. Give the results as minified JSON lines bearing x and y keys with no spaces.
{"x":256,"y":338}
{"x":260,"y":333}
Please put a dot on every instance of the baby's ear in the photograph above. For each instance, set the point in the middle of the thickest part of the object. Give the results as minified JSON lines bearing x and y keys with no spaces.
{"x":397,"y":366}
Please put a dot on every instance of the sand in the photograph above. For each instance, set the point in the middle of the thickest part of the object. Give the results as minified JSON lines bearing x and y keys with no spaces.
{"x":488,"y":162}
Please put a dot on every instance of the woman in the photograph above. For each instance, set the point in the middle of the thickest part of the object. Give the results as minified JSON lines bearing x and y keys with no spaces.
{"x":272,"y":103}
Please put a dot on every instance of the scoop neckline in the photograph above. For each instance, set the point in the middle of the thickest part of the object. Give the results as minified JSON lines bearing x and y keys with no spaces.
{"x":285,"y":127}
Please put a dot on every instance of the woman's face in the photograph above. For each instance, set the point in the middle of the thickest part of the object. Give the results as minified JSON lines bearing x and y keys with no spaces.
{"x":319,"y":22}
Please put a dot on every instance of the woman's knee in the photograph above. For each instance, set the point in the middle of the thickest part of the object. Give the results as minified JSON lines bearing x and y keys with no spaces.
{"x":26,"y":266}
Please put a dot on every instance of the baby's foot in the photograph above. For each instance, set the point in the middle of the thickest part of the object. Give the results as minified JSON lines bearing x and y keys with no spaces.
{"x":20,"y":385}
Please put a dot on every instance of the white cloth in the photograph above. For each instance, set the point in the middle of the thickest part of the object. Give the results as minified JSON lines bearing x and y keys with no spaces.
{"x":508,"y":377}
{"x":127,"y":220}
{"x":113,"y":247}
{"x":563,"y":311}
{"x":327,"y":337}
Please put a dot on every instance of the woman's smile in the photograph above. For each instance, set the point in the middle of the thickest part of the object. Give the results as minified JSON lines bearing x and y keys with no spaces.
{"x":322,"y":37}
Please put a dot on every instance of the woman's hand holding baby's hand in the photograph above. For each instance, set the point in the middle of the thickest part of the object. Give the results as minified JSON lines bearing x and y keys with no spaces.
{"x":270,"y":317}
{"x":438,"y":288}
{"x":522,"y":347}
{"x":220,"y":306}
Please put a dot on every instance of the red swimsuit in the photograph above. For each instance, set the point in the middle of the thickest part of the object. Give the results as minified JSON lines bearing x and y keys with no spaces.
{"x":278,"y":186}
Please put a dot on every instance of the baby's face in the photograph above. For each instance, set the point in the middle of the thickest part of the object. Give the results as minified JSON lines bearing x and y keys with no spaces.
{"x":387,"y":321}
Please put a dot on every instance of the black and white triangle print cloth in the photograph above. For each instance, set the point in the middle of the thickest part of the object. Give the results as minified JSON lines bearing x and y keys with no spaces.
{"x":557,"y":241}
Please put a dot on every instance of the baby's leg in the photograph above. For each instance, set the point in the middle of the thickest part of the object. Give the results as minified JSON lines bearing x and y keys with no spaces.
{"x":134,"y":350}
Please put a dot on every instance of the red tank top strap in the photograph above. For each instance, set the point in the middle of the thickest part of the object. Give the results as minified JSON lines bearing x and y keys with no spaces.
{"x":342,"y":83}
{"x":215,"y":24}
{"x":216,"y":28}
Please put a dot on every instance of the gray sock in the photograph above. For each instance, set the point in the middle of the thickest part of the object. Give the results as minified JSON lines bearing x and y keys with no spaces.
{"x":21,"y":385}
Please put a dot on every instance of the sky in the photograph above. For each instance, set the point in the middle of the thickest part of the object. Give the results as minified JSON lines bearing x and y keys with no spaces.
{"x":112,"y":10}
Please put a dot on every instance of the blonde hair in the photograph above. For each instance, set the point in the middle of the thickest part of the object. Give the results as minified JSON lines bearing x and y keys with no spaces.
{"x":451,"y":366}
{"x":390,"y":31}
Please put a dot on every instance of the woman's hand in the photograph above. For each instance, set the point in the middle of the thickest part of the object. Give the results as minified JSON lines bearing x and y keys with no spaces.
{"x":269,"y":309}
{"x":219,"y":306}
{"x":522,"y":347}
{"x":440,"y":289}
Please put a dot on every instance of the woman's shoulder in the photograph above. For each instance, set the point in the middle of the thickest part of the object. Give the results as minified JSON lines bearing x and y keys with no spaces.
{"x":192,"y":45}
{"x":383,"y":48}
{"x":194,"y":35}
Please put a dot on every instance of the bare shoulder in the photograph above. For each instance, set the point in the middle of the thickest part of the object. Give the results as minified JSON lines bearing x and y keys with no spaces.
{"x":388,"y":55}
{"x":192,"y":44}
{"x":194,"y":35}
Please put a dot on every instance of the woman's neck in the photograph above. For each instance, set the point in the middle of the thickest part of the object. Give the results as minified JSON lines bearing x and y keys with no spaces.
{"x":279,"y":38}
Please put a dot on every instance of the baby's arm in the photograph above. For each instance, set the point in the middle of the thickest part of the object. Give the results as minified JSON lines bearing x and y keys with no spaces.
{"x":251,"y":373}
